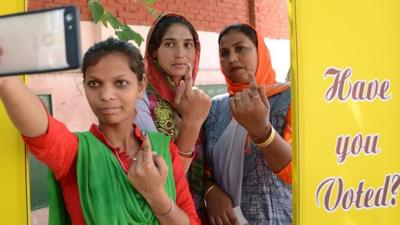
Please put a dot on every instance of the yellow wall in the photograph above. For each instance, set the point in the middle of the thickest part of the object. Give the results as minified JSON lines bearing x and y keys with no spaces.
{"x":363,"y":37}
{"x":13,"y":165}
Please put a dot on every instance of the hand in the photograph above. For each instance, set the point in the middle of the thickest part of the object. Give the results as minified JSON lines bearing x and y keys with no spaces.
{"x":252,"y":110}
{"x":220,"y":208}
{"x":148,"y":173}
{"x":192,"y":103}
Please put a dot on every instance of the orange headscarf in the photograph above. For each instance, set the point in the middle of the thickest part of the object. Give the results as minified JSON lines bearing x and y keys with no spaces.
{"x":265,"y":74}
{"x":158,"y":80}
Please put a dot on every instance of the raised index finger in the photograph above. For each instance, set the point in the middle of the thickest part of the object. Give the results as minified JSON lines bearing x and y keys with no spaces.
{"x":147,"y":151}
{"x":253,"y":84}
{"x":188,"y":81}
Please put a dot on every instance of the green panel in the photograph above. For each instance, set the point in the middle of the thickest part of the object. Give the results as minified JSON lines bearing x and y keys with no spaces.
{"x":213,"y":89}
{"x":38,"y":171}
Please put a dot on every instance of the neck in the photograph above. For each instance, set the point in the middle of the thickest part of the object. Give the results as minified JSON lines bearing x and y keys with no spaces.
{"x":120,"y":136}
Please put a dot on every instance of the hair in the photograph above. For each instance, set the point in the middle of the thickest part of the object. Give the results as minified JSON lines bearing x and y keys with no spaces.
{"x":244,"y":28}
{"x":162,"y":27}
{"x":112,"y":45}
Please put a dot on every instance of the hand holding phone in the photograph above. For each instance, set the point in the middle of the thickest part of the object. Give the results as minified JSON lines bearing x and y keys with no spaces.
{"x":40,"y":41}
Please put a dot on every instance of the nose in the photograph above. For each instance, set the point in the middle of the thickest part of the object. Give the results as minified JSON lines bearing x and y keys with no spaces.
{"x":107,"y":93}
{"x":233,"y":57}
{"x":180,"y":51}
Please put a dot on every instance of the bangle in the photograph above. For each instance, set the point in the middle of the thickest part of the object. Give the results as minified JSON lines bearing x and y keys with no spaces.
{"x":269,"y":140}
{"x":171,"y":209}
{"x":187,"y":154}
{"x":206,"y":193}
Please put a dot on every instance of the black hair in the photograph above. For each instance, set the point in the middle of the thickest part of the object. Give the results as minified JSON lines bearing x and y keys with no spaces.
{"x":162,"y":28}
{"x":244,"y":28}
{"x":112,"y":45}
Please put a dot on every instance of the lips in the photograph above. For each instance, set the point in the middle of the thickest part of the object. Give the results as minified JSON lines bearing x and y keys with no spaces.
{"x":236,"y":69}
{"x":110,"y":110}
{"x":180,"y":65}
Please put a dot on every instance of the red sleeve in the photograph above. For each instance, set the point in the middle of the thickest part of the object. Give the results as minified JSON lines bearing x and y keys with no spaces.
{"x":183,"y":196}
{"x":186,"y":161}
{"x":57,"y":148}
{"x":285,"y":174}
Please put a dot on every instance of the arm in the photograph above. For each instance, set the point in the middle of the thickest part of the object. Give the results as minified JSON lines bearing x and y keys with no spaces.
{"x":219,"y":204}
{"x":186,"y":140}
{"x":193,"y":105}
{"x":23,"y":107}
{"x":252,"y":110}
{"x":48,"y":139}
{"x":278,"y":152}
{"x":183,"y":196}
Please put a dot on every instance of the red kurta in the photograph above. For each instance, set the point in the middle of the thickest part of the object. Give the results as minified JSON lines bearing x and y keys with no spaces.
{"x":58,"y":149}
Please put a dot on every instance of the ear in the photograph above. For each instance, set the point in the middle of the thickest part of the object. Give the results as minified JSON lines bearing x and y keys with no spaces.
{"x":142,"y":86}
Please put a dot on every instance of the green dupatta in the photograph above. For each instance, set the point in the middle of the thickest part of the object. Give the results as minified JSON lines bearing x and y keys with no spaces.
{"x":107,"y":197}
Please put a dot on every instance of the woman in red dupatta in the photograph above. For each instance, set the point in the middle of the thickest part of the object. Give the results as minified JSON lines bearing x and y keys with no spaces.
{"x":171,"y":105}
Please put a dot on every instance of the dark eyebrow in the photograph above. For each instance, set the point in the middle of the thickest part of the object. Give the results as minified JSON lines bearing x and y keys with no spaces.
{"x":120,"y":76}
{"x":95,"y":78}
{"x":174,"y":39}
{"x":90,"y":77}
{"x":235,"y":44}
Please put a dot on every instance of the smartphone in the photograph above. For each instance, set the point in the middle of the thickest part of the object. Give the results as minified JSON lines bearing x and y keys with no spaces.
{"x":40,"y":41}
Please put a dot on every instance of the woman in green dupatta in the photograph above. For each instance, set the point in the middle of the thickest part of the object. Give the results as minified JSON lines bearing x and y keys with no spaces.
{"x":112,"y":174}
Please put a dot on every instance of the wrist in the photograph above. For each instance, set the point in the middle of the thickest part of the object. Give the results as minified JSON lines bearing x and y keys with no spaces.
{"x":262,"y":135}
{"x":159,"y":203}
{"x":191,"y":124}
{"x":188,"y":153}
{"x":265,"y":143}
{"x":207,"y":192}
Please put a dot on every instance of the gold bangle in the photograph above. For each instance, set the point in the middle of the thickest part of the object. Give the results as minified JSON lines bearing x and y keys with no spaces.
{"x":269,"y":140}
{"x":167,"y":213}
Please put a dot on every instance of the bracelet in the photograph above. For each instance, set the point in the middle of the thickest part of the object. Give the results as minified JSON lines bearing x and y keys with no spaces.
{"x":161,"y":216}
{"x":269,"y":140}
{"x":206,"y":193}
{"x":187,"y":154}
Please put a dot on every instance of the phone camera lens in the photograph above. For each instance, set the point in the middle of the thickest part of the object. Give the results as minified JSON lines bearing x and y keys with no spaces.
{"x":69,"y":17}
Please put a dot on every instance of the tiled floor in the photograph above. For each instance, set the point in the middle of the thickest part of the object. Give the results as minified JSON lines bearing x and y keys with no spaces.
{"x":40,"y":216}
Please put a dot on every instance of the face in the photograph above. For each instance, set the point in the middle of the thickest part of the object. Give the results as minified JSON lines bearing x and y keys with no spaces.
{"x":176,"y":51}
{"x":112,"y":89}
{"x":238,"y":56}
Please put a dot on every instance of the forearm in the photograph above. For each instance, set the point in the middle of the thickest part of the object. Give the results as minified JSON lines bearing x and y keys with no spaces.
{"x":166,"y":211}
{"x":278,"y":153}
{"x":23,"y":107}
{"x":187,"y":136}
